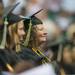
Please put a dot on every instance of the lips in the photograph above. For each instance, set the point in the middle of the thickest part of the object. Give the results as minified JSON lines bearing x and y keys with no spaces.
{"x":44,"y":36}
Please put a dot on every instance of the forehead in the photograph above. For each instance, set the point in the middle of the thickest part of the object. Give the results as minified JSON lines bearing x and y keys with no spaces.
{"x":21,"y":24}
{"x":39,"y":25}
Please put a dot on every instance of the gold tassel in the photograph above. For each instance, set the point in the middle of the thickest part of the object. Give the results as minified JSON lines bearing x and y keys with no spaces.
{"x":9,"y":68}
{"x":28,"y":35}
{"x":3,"y":42}
{"x":18,"y":48}
{"x":59,"y":53}
{"x":62,"y":71}
{"x":40,"y":53}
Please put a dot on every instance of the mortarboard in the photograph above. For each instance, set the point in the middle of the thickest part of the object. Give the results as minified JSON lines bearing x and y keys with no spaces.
{"x":12,"y":18}
{"x":5,"y":14}
{"x":34,"y":20}
{"x":29,"y":22}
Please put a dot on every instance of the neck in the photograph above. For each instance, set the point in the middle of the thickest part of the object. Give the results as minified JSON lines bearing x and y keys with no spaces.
{"x":40,"y":46}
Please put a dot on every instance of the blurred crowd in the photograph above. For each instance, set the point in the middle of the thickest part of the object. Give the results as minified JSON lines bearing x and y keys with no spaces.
{"x":58,"y":19}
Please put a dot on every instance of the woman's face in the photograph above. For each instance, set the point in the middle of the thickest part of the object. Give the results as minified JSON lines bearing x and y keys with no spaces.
{"x":67,"y":56}
{"x":41,"y":33}
{"x":20,"y":30}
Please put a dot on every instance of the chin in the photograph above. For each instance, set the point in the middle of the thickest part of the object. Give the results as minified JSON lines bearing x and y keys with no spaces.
{"x":21,"y":39}
{"x":43,"y":40}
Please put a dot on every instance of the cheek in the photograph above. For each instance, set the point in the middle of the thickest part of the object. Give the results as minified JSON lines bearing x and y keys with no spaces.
{"x":41,"y":37}
{"x":39,"y":34}
{"x":19,"y":33}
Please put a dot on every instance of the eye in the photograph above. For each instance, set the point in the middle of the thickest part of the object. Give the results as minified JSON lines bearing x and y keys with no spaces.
{"x":21,"y":28}
{"x":40,"y":28}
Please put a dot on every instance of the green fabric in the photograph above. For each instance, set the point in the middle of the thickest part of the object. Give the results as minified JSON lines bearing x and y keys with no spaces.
{"x":11,"y":18}
{"x":29,"y":55}
{"x":7,"y":57}
{"x":34,"y":21}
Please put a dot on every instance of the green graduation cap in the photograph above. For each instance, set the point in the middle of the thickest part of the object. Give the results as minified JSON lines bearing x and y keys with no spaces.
{"x":12,"y":18}
{"x":9,"y":16}
{"x":29,"y":22}
{"x":34,"y":20}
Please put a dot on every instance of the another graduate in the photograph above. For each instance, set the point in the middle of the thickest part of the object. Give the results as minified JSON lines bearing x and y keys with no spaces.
{"x":36,"y":37}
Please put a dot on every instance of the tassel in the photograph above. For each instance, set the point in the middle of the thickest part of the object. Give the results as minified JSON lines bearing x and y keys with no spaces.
{"x":2,"y":46}
{"x":28,"y":35}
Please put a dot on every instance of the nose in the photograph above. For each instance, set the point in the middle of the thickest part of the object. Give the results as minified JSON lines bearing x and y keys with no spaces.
{"x":23,"y":32}
{"x":45,"y":32}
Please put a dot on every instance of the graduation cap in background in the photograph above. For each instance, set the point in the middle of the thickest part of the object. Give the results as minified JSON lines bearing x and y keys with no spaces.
{"x":29,"y":22}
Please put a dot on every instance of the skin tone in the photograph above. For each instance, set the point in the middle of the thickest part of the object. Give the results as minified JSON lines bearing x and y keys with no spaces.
{"x":41,"y":33}
{"x":16,"y":33}
{"x":20,"y":30}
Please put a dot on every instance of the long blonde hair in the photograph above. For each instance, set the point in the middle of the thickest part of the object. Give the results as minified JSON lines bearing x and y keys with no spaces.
{"x":12,"y":37}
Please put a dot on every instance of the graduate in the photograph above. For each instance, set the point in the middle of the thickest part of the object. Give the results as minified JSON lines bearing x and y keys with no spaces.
{"x":36,"y":37}
{"x":10,"y":61}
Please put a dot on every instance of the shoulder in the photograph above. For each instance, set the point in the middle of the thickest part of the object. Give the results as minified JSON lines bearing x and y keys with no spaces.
{"x":28,"y":54}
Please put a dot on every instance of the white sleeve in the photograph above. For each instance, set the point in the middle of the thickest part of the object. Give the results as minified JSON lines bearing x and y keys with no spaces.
{"x":45,"y":69}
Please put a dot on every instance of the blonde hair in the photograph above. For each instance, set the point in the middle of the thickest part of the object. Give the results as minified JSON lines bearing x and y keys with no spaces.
{"x":12,"y":37}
